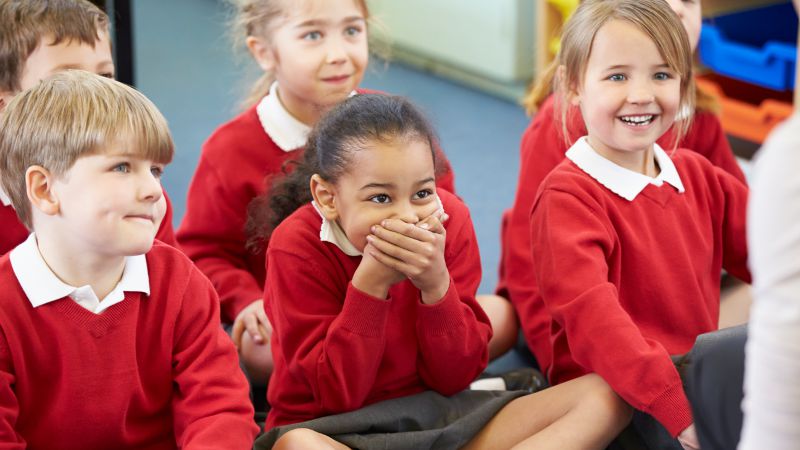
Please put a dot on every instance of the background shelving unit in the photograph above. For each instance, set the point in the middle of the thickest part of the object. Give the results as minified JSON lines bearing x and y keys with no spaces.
{"x":751,"y":59}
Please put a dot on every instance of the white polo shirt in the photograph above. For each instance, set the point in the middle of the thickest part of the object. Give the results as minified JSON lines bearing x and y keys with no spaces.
{"x":619,"y":180}
{"x":42,"y":286}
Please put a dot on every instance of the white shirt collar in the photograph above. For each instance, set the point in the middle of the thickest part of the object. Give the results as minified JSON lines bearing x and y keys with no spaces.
{"x":42,"y":286}
{"x":619,"y":180}
{"x":286,"y":131}
{"x":4,"y":199}
{"x":330,"y":231}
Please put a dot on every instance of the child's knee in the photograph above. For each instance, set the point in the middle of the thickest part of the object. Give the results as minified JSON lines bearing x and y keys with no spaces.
{"x":257,"y":359}
{"x":301,"y":439}
{"x":599,"y":396}
{"x":298,"y":438}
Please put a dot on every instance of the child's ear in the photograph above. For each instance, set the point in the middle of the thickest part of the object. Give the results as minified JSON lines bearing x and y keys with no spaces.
{"x":39,"y":184}
{"x":570,"y":89}
{"x":324,"y":194}
{"x":262,"y":53}
{"x":574,"y":97}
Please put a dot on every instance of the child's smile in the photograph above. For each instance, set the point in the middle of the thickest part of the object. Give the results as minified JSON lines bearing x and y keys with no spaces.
{"x":112,"y":202}
{"x":629,"y":97}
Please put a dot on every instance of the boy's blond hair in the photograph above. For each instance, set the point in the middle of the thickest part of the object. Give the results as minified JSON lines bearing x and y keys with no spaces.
{"x":24,"y":24}
{"x":654,"y":18}
{"x":73,"y":114}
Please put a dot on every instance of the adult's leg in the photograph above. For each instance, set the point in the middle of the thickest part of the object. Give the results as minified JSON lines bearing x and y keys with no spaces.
{"x":581,"y":414}
{"x":714,"y":376}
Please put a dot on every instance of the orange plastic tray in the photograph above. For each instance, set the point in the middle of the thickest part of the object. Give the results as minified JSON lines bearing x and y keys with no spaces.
{"x":748,"y":112}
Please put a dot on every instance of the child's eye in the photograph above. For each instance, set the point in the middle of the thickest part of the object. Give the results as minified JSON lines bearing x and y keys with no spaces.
{"x":312,"y":36}
{"x":122,"y":168}
{"x":352,"y":31}
{"x":380,"y":198}
{"x":662,"y":76}
{"x":157,"y":171}
{"x":617,"y":77}
{"x":425,"y":193}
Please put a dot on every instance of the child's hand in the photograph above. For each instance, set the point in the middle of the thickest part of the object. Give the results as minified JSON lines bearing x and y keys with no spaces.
{"x":374,"y":277}
{"x":688,"y":438}
{"x":415,"y":250}
{"x":254,"y":320}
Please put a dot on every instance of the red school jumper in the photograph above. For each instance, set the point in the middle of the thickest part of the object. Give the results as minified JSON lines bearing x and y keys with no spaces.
{"x":542,"y":148}
{"x":234,"y":166}
{"x":13,"y":232}
{"x":629,"y":283}
{"x":337,"y":349}
{"x":152,"y":372}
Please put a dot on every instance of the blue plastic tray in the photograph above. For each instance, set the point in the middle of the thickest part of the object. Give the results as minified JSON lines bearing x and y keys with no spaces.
{"x":758,"y":46}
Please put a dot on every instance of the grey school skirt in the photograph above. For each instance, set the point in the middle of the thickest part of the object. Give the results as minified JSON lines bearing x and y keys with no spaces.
{"x":422,"y":421}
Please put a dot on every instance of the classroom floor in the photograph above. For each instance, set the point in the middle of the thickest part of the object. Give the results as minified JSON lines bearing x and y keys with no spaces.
{"x":184,"y":62}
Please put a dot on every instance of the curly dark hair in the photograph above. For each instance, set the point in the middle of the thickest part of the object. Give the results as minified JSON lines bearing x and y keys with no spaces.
{"x":351,"y":126}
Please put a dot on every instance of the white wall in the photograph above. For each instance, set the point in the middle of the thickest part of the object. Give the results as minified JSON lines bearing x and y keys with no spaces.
{"x":491,"y":38}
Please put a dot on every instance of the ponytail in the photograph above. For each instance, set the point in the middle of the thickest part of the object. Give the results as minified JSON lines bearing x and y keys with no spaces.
{"x":540,"y":89}
{"x":259,"y":89}
{"x":286,"y":192}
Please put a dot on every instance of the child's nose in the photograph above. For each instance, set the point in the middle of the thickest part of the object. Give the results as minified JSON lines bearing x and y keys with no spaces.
{"x":407,"y":213}
{"x":641,"y":92}
{"x":150,"y":188}
{"x":336,"y":51}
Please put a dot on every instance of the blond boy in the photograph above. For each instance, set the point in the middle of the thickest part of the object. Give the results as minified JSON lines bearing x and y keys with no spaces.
{"x":107,"y":340}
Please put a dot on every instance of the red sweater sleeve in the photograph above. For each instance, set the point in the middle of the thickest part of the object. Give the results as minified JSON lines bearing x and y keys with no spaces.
{"x":212,"y":235}
{"x":541,"y":150}
{"x":334,"y":340}
{"x":571,"y":237}
{"x":9,"y":406}
{"x":451,"y":331}
{"x":734,"y":232}
{"x":210,"y":403}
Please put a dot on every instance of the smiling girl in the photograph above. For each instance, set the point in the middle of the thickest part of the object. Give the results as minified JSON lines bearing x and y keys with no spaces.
{"x":629,"y":238}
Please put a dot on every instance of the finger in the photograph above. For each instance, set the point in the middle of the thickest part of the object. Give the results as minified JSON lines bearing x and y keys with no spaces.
{"x":251,"y":324}
{"x":264,"y":333}
{"x":236,"y":332}
{"x":264,"y":326}
{"x":401,"y":227}
{"x":402,"y":234}
{"x":440,"y":214}
{"x":392,"y":250}
{"x":390,"y":262}
{"x":263,"y":320}
{"x":433,"y":224}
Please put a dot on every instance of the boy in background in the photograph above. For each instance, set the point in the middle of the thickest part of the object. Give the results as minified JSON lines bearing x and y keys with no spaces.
{"x":42,"y":37}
